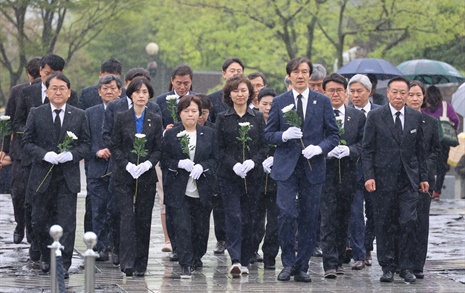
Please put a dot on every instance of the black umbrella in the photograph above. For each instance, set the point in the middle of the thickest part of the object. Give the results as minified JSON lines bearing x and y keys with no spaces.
{"x":379,"y":67}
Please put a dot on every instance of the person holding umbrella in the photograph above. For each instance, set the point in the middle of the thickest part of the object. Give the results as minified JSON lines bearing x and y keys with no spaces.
{"x":434,"y":108}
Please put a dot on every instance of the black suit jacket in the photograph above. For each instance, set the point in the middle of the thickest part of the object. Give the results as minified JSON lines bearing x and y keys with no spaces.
{"x":90,"y":97}
{"x":354,"y":125}
{"x":384,"y":154}
{"x":96,"y":167}
{"x":175,"y":179}
{"x":165,"y":113}
{"x":122,"y":144}
{"x":218,"y":106}
{"x":117,"y":106}
{"x":432,"y":146}
{"x":38,"y":139}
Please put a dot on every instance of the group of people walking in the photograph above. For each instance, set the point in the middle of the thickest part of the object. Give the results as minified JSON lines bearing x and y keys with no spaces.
{"x":294,"y":169}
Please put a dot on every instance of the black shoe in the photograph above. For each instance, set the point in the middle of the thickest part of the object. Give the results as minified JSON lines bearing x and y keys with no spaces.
{"x":66,"y":275}
{"x":18,"y":235}
{"x":174,"y":256}
{"x":419,"y":274}
{"x":102,"y":256}
{"x":139,"y":274}
{"x":387,"y":277}
{"x":302,"y":277}
{"x":129,"y":272}
{"x":269,"y":266}
{"x":45,"y":266}
{"x":115,"y":259}
{"x":285,"y":274}
{"x":186,"y":272}
{"x":220,"y":247}
{"x":408,"y":276}
{"x":317,"y":251}
{"x":197,"y":264}
{"x":34,"y":252}
{"x":348,"y":255}
{"x":258,"y":258}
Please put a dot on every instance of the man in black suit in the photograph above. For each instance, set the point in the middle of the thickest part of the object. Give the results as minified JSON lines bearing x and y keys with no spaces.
{"x":89,"y":95}
{"x":97,"y":163}
{"x":230,"y":67}
{"x":180,"y":86}
{"x":55,"y":178}
{"x":12,"y":147}
{"x":341,"y":175}
{"x":122,"y":104}
{"x":361,"y":236}
{"x":394,"y":169}
{"x":35,"y":96}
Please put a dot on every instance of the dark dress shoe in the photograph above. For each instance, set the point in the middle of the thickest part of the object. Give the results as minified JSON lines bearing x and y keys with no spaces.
{"x":368,"y":258}
{"x":139,"y":274}
{"x":186,"y":272}
{"x":330,"y":274}
{"x":18,"y":235}
{"x":44,"y":266}
{"x":269,"y":266}
{"x":129,"y":272}
{"x":174,"y":256}
{"x":285,"y":274}
{"x":348,"y":255}
{"x":34,"y":252}
{"x":387,"y":277}
{"x":66,"y":275}
{"x":358,"y":265}
{"x":197,"y":264}
{"x":419,"y":274}
{"x":408,"y":276}
{"x":258,"y":257}
{"x":302,"y":277}
{"x":317,"y":251}
{"x":115,"y":259}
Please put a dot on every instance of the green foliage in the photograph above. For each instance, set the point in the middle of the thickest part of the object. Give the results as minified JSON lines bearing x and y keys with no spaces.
{"x":139,"y":147}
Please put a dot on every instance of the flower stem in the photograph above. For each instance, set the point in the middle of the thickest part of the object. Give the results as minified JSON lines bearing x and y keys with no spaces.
{"x":50,"y":170}
{"x":243,"y":160}
{"x":266,"y":182}
{"x":137,"y":185}
{"x":340,"y":179}
{"x":308,"y":161}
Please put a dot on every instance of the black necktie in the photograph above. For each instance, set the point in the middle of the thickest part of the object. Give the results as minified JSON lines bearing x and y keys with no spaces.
{"x":300,"y":108}
{"x":57,"y":123}
{"x":363,"y":111}
{"x":398,"y":124}
{"x":336,"y":112}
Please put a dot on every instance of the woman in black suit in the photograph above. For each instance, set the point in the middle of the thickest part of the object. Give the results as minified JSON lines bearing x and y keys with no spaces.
{"x":134,"y":177}
{"x":415,"y":100}
{"x":189,"y":182}
{"x":239,"y":179}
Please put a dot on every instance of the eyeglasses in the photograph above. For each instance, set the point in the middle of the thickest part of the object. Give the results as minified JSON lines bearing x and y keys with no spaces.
{"x":56,"y":89}
{"x":338,"y":91}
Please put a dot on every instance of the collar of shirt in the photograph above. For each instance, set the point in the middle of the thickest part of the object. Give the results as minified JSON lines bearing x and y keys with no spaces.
{"x":129,"y":102}
{"x":305,"y":95}
{"x":62,"y":113}
{"x":232,"y":111}
{"x":367,"y":108}
{"x":178,"y":96}
{"x":44,"y":88}
{"x":342,"y":110}
{"x":394,"y":111}
{"x":139,"y":122}
{"x":54,"y":108}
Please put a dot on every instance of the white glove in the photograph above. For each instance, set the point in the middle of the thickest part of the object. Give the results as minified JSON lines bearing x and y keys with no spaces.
{"x":131,"y":168}
{"x":292,"y":133}
{"x":238,"y":170}
{"x":142,"y":168}
{"x":186,"y":164}
{"x":51,"y":157}
{"x":267,"y":164}
{"x":196,"y":171}
{"x":333,"y":153}
{"x":64,"y":157}
{"x":311,"y":151}
{"x":343,"y":151}
{"x":247,"y":166}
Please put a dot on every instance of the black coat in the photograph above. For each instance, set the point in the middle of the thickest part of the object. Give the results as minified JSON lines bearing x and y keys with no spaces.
{"x":432,"y":146}
{"x":175,"y":179}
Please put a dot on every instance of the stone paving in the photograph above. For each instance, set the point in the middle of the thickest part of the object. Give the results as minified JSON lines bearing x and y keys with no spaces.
{"x":445,"y":268}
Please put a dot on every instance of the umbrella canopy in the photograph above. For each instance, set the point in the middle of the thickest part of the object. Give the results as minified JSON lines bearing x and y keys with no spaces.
{"x":458,"y":100}
{"x":379,"y":67}
{"x":430,"y":71}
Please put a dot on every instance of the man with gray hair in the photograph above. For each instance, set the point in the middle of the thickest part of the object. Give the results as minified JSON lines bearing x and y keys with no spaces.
{"x":316,"y":79}
{"x":361,"y":236}
{"x":287,"y":83}
{"x":97,"y":163}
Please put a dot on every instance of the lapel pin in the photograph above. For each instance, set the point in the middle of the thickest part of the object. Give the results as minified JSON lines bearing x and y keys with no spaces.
{"x":314,"y":102}
{"x":150,"y":125}
{"x":201,"y":133}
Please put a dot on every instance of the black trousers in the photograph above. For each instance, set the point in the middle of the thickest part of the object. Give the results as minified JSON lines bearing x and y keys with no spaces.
{"x":442,"y":168}
{"x":218,"y":218}
{"x":335,"y":209}
{"x":421,"y":231}
{"x":395,"y":214}
{"x":18,"y":194}
{"x":192,"y":225}
{"x":57,"y":205}
{"x":370,"y":221}
{"x":136,"y":220}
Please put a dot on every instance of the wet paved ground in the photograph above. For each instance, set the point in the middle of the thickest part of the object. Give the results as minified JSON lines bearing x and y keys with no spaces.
{"x":445,"y":267}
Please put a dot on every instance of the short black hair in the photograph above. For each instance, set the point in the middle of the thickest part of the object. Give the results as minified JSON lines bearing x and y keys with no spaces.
{"x":182,"y":70}
{"x":335,"y":77}
{"x":136,"y":72}
{"x":111,"y":65}
{"x":59,"y":76}
{"x":55,"y":62}
{"x":373,"y":79}
{"x":295,"y":63}
{"x":230,"y":61}
{"x":185,"y":102}
{"x":136,"y":84}
{"x":232,"y":84}
{"x":399,"y":78}
{"x":257,"y":74}
{"x":206,"y":102}
{"x":33,"y":67}
{"x":264,"y":92}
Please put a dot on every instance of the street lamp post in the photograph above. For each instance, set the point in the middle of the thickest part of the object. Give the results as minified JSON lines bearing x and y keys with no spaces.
{"x":152,"y":51}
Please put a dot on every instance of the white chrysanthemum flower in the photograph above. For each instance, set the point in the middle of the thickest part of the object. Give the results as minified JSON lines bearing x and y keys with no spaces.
{"x":5,"y":117}
{"x":244,"y":124}
{"x":140,"y":135}
{"x":181,"y":134}
{"x":72,"y":135}
{"x":171,"y":97}
{"x":288,"y":108}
